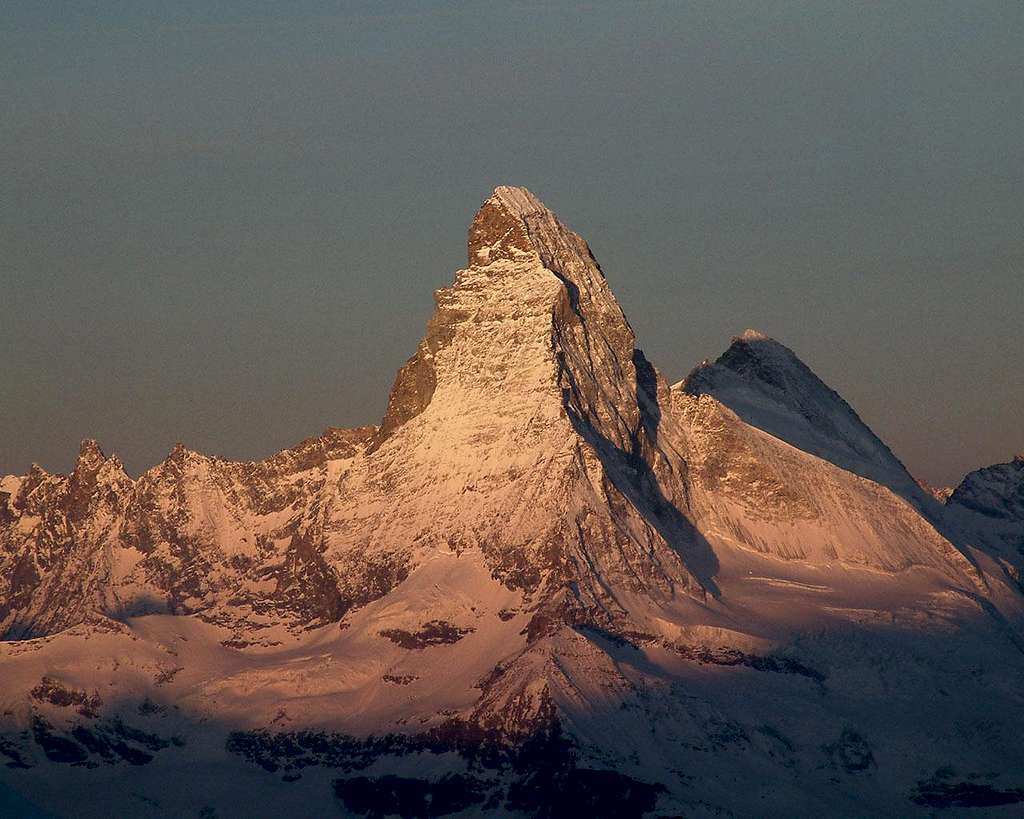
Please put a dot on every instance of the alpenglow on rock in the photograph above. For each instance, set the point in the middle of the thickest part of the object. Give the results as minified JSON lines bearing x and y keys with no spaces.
{"x":547,"y":583}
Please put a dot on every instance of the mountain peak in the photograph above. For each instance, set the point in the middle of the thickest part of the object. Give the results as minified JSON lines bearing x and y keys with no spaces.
{"x":767,"y":385}
{"x":500,"y":229}
{"x":92,"y":461}
{"x":515,"y":224}
{"x":523,"y":262}
{"x":753,"y":345}
{"x":179,"y":454}
{"x":89,"y":448}
{"x":90,"y":456}
{"x":996,"y":491}
{"x":529,"y":367}
{"x":518,"y":200}
{"x":752,"y":335}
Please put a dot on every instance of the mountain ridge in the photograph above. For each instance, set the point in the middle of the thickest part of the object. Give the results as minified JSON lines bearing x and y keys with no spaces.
{"x":547,"y":575}
{"x":768,"y":385}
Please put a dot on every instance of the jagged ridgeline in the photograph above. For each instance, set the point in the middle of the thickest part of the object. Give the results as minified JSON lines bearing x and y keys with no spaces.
{"x":524,"y":428}
{"x":547,"y":583}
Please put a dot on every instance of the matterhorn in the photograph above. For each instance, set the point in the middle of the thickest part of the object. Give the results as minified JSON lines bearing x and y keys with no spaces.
{"x":549,"y":583}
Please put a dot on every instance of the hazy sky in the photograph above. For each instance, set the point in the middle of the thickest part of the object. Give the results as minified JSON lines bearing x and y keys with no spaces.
{"x":221,"y":222}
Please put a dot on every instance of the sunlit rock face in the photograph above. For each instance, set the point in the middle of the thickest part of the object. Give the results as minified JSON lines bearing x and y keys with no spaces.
{"x":546,"y":583}
{"x":524,"y":428}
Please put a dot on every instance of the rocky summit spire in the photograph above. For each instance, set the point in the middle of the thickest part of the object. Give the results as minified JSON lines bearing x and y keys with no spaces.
{"x":532,"y":287}
{"x":537,"y":263}
{"x":528,"y":376}
{"x":90,"y":456}
{"x":498,"y":230}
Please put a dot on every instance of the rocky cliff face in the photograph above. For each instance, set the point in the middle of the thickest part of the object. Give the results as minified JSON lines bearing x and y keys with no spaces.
{"x":546,"y":574}
{"x":195,"y":535}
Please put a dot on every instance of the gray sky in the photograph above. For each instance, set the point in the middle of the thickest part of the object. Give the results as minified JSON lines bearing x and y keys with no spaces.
{"x":221,"y":222}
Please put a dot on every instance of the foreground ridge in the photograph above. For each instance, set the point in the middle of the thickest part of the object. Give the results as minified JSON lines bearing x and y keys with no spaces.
{"x":547,"y":583}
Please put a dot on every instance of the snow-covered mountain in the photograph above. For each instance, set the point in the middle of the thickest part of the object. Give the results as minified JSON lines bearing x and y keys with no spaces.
{"x":547,"y":584}
{"x":995,"y":491}
{"x":987,"y":510}
{"x":765,"y":383}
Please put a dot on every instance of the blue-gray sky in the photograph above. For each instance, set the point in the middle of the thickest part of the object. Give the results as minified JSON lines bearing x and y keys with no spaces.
{"x":221,"y":222}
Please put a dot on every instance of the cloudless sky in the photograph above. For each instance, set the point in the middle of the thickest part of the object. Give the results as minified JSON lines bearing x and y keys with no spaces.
{"x":221,"y":222}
